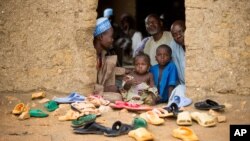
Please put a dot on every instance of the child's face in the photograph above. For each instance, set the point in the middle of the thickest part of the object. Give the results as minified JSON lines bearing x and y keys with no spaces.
{"x":141,"y":65}
{"x":107,"y":38}
{"x":162,"y":56}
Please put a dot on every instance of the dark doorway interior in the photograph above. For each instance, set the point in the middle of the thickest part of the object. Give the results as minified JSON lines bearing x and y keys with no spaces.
{"x":171,"y":9}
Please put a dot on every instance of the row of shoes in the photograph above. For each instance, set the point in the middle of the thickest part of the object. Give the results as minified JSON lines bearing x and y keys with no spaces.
{"x":137,"y":130}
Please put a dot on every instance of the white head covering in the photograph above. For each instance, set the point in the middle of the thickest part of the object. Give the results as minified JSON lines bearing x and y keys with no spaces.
{"x":102,"y":25}
{"x":108,"y":12}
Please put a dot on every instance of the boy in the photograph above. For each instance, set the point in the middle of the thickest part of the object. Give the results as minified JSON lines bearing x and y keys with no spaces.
{"x":165,"y":73}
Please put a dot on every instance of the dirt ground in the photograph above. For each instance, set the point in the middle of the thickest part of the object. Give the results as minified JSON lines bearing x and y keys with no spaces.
{"x":51,"y":129}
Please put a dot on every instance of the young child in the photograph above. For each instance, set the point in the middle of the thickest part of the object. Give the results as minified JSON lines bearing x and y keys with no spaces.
{"x":164,"y":73}
{"x":138,"y":86}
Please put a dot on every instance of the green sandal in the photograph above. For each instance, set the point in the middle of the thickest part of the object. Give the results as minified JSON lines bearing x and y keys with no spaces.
{"x":139,"y":122}
{"x":37,"y":113}
{"x":83,"y":120}
{"x":51,"y":106}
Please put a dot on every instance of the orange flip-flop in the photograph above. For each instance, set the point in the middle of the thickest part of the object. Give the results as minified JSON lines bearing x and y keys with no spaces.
{"x":185,"y":134}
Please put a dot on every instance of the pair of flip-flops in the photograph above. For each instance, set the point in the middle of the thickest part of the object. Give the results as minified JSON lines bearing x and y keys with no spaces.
{"x":208,"y":104}
{"x":73,"y":97}
{"x":129,"y":106}
{"x":118,"y":128}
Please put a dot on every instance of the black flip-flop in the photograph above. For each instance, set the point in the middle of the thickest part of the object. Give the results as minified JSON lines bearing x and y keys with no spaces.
{"x":208,"y":104}
{"x":118,"y":129}
{"x":92,"y":128}
{"x":173,"y":108}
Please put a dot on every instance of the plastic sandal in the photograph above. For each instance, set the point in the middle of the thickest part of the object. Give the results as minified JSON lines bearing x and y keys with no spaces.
{"x":37,"y":113}
{"x":139,"y":122}
{"x":141,"y":134}
{"x":118,"y":128}
{"x":185,"y":134}
{"x":73,"y":97}
{"x":51,"y":106}
{"x":208,"y":104}
{"x":83,"y":120}
{"x":18,"y":109}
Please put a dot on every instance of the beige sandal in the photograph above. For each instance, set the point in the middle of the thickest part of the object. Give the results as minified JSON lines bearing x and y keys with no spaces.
{"x":152,"y":118}
{"x":184,"y":118}
{"x":185,"y":134}
{"x":70,"y":115}
{"x":141,"y":134}
{"x":162,"y":113}
{"x":203,"y":119}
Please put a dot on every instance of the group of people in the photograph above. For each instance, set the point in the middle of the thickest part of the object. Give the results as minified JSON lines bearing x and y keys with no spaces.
{"x":159,"y":60}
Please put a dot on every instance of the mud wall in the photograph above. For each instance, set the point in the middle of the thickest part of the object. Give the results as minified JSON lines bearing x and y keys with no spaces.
{"x":47,"y":45}
{"x":218,"y":47}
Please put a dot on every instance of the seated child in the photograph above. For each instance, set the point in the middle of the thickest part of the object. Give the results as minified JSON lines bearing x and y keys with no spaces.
{"x":164,"y":73}
{"x":138,"y":86}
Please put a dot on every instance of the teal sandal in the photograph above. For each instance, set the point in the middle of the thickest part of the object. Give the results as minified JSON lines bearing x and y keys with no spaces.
{"x":83,"y":120}
{"x":37,"y":113}
{"x":51,"y":106}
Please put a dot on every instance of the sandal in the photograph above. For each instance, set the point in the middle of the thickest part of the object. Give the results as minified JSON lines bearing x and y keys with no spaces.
{"x":18,"y":109}
{"x":51,"y":106}
{"x":204,"y":119}
{"x":73,"y":97}
{"x":184,"y":118}
{"x":141,"y":134}
{"x":162,"y":112}
{"x":152,"y":118}
{"x":92,"y":128}
{"x":139,"y":122}
{"x":83,"y":120}
{"x":118,"y":128}
{"x":185,"y":134}
{"x":208,"y":104}
{"x":37,"y":113}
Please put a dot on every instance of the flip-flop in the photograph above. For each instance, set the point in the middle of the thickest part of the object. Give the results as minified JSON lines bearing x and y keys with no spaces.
{"x":141,"y":134}
{"x":85,"y":108}
{"x":51,"y":106}
{"x":118,"y":128}
{"x":204,"y":119}
{"x":162,"y":113}
{"x":83,"y":120}
{"x":18,"y":109}
{"x":184,"y":118}
{"x":139,"y":122}
{"x":208,"y":104}
{"x":97,"y":100}
{"x":130,"y":106}
{"x":73,"y":97}
{"x":185,"y":134}
{"x":173,"y":108}
{"x":37,"y":113}
{"x":92,"y":128}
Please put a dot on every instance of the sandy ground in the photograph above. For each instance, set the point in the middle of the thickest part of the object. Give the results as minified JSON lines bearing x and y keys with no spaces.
{"x":51,"y":129}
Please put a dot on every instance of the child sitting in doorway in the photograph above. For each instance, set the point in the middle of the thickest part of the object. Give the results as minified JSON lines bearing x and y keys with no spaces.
{"x":164,"y":73}
{"x":138,"y":86}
